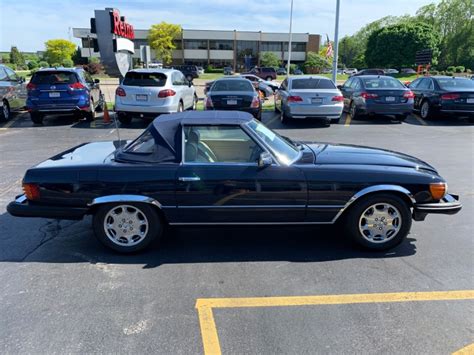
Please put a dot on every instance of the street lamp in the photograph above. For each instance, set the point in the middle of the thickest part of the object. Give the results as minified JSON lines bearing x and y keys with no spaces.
{"x":289,"y":42}
{"x":336,"y":45}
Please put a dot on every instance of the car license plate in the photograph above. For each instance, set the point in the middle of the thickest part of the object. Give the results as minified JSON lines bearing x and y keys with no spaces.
{"x":54,"y":94}
{"x":390,"y":99}
{"x":317,"y":100}
{"x":140,"y":97}
{"x":231,"y":102}
{"x":470,"y":101}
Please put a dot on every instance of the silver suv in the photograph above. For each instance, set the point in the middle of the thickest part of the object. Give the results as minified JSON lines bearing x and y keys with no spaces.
{"x":12,"y":92}
{"x":150,"y":92}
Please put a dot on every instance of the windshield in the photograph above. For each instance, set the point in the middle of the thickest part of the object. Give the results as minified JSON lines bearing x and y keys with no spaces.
{"x":144,"y":79}
{"x":312,"y":83}
{"x":285,"y":152}
{"x":232,"y":85}
{"x":382,"y":83}
{"x":455,"y":84}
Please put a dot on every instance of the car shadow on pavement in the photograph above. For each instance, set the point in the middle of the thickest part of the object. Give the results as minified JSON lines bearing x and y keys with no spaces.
{"x":54,"y":241}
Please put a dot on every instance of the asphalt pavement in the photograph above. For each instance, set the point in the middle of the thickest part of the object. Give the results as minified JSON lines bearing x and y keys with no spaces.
{"x":63,"y":292}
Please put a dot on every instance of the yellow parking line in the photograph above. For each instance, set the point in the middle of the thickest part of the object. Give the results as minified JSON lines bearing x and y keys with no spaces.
{"x":421,"y":120}
{"x":209,"y":330}
{"x":348,"y":120}
{"x":468,"y":350}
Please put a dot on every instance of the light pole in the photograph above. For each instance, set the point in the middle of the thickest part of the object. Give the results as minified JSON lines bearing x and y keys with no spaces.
{"x":336,"y":45}
{"x":289,"y":42}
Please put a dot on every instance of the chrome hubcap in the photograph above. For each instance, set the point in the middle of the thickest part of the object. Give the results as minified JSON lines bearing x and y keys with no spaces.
{"x":380,"y":223}
{"x":126,"y":225}
{"x":424,"y":110}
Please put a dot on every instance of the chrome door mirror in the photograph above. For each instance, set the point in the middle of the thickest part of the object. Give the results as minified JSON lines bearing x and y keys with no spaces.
{"x":265,"y":159}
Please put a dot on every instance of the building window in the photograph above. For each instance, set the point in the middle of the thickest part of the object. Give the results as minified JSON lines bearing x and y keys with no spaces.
{"x":270,"y":47}
{"x":195,"y":44}
{"x":221,"y":45}
{"x":85,"y":42}
{"x":295,"y":46}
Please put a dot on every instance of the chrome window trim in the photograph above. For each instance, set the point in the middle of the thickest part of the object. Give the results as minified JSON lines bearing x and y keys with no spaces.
{"x":124,"y":198}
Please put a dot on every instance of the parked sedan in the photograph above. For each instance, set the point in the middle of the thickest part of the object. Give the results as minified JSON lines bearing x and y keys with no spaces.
{"x":444,"y":94}
{"x":234,"y":94}
{"x":225,"y":168}
{"x":309,"y":97}
{"x":150,"y":92}
{"x":369,"y":72}
{"x":377,"y":95}
{"x":12,"y":92}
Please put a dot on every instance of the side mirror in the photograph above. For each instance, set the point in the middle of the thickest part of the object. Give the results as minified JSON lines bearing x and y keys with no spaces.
{"x":96,"y":81}
{"x":265,"y":159}
{"x":340,"y":87}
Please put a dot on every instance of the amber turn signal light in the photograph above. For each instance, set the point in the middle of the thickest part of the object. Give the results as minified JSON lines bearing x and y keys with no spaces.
{"x":438,"y":190}
{"x":32,"y":191}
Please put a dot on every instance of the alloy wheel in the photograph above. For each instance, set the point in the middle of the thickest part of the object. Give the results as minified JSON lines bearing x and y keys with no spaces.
{"x":380,"y":222}
{"x":126,"y":225}
{"x":6,"y":111}
{"x":425,"y":109}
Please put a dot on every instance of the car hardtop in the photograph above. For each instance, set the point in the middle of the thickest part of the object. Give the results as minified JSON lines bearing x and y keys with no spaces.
{"x":152,"y":70}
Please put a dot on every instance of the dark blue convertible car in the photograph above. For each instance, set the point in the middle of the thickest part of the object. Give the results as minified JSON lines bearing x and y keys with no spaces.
{"x":226,"y":168}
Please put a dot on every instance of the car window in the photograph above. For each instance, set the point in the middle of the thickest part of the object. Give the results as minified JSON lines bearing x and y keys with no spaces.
{"x":312,"y":83}
{"x":348,"y":83}
{"x":425,"y":84}
{"x":455,"y":84}
{"x":144,"y":79}
{"x":145,"y":144}
{"x":11,"y":74}
{"x":54,"y":77}
{"x":219,"y":144}
{"x":178,"y":78}
{"x":3,"y":75}
{"x":232,"y":85}
{"x":415,"y":83}
{"x":356,"y":84}
{"x":382,"y":83}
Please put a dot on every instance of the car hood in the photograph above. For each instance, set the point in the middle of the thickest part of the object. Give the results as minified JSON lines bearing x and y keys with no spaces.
{"x":360,"y":155}
{"x":84,"y":154}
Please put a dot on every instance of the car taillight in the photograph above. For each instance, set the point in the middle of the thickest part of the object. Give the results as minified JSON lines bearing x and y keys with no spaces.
{"x":209,"y":103}
{"x":450,"y":96}
{"x":409,"y":95}
{"x":366,"y":95}
{"x":166,"y":93}
{"x":77,"y":86}
{"x":295,"y":99}
{"x":32,"y":191}
{"x":338,"y":98}
{"x":30,"y":87}
{"x":120,"y":92}
{"x":438,"y":190}
{"x":255,"y":102}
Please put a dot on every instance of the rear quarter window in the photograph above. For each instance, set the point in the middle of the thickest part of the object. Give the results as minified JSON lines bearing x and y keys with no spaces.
{"x":144,"y":79}
{"x":54,"y":77}
{"x":305,"y":84}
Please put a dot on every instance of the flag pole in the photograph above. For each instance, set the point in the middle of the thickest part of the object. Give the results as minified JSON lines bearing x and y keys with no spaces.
{"x":289,"y":42}
{"x":336,"y":45}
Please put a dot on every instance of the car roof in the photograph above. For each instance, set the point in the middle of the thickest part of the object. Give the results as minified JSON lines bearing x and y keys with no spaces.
{"x":308,"y":77}
{"x":446,"y":77}
{"x":60,"y":69}
{"x":152,"y":70}
{"x":372,"y":76}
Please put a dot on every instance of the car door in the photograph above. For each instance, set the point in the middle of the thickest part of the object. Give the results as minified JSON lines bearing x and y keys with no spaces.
{"x":347,"y":91}
{"x":282,"y":94}
{"x":220,"y":182}
{"x":17,"y":89}
{"x":188,"y":91}
{"x":422,"y":91}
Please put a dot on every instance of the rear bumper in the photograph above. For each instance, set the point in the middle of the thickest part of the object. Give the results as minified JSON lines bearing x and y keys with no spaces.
{"x":448,"y":205}
{"x":319,"y":111}
{"x":22,"y":208}
{"x":149,"y":109}
{"x":387,"y":109}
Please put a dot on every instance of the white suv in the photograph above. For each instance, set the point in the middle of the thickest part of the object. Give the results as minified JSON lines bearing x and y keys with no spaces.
{"x":150,"y":92}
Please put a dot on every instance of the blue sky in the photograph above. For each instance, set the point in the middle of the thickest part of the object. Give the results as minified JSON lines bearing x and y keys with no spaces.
{"x":28,"y":24}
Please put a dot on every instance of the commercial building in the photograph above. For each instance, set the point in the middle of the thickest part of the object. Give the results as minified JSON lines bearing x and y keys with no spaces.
{"x":221,"y":48}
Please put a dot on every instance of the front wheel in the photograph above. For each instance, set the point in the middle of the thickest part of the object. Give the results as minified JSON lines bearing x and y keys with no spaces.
{"x":5,"y":113}
{"x":379,"y":222}
{"x":127,"y":227}
{"x":283,"y":116}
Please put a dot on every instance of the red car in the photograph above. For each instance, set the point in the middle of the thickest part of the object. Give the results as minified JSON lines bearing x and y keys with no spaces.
{"x":266,"y":73}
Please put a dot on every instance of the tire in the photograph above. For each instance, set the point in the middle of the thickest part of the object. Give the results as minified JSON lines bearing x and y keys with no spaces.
{"x":353,"y":111}
{"x":141,"y":218}
{"x":195,"y":102}
{"x":180,"y":107}
{"x":335,"y":120}
{"x":91,"y":115}
{"x":101,"y":105}
{"x":189,"y":78}
{"x":5,"y":113}
{"x":124,"y":118}
{"x":359,"y":229}
{"x":36,"y":117}
{"x":269,"y":78}
{"x":283,"y":116}
{"x":426,"y":110}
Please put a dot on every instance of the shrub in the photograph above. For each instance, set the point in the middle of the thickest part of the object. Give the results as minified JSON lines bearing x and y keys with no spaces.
{"x":33,"y":71}
{"x":469,"y":71}
{"x":211,"y":70}
{"x":68,"y":63}
{"x":32,"y":64}
{"x":449,"y":73}
{"x":460,"y":69}
{"x":434,"y":72}
{"x":43,"y":64}
{"x":451,"y":68}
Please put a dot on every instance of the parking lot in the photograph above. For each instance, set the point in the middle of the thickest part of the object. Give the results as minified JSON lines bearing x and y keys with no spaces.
{"x":239,"y":290}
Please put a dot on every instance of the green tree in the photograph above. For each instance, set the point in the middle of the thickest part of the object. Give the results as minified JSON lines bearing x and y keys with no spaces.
{"x":58,"y":50}
{"x":77,"y":57}
{"x":269,"y":59}
{"x":67,"y":63}
{"x":16,"y":57}
{"x":161,"y":39}
{"x":315,"y":62}
{"x":32,"y":64}
{"x":43,"y":64}
{"x":395,"y":46}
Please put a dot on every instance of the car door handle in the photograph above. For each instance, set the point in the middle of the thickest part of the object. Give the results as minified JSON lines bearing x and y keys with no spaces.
{"x":189,"y":178}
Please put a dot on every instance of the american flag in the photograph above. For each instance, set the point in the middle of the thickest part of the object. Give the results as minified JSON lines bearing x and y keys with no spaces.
{"x":329,"y":51}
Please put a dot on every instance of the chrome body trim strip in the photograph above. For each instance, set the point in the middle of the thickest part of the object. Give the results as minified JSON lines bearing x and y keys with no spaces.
{"x":243,"y":206}
{"x":124,"y":198}
{"x":245,"y":223}
{"x":21,"y":199}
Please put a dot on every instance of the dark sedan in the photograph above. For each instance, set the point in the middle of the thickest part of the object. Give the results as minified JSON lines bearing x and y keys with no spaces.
{"x":234,"y":94}
{"x":376,"y":95}
{"x":225,"y":168}
{"x":443,"y":94}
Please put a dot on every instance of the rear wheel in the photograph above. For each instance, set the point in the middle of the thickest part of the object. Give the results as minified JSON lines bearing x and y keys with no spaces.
{"x":283,"y":116}
{"x":91,"y":115}
{"x":101,"y":105}
{"x":354,"y":111}
{"x":195,"y":102}
{"x":37,"y":117}
{"x":127,"y":227}
{"x":5,"y":114}
{"x":379,"y":221}
{"x":426,"y":110}
{"x":124,"y":118}
{"x":180,"y":107}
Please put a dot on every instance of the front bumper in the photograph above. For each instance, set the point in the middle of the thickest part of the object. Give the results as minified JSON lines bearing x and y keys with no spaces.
{"x":21,"y":207}
{"x":448,"y":205}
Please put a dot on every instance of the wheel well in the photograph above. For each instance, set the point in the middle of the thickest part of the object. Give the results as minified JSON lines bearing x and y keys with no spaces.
{"x":93,"y":209}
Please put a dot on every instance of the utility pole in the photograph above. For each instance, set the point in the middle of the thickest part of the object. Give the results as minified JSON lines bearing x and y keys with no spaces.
{"x":289,"y":42}
{"x":336,"y":45}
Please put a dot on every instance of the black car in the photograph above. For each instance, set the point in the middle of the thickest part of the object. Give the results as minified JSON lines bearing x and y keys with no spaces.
{"x":234,"y":94}
{"x":443,"y":94}
{"x":225,"y":168}
{"x":369,"y":72}
{"x":281,"y":71}
{"x":228,"y":71}
{"x":189,"y":71}
{"x":376,"y":95}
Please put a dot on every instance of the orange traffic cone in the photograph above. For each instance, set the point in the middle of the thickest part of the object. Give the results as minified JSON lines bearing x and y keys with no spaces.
{"x":106,"y":114}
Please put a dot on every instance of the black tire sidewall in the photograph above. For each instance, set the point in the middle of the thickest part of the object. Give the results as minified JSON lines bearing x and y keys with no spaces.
{"x":124,"y":118}
{"x":2,"y":116}
{"x":36,"y":117}
{"x":351,"y":220}
{"x":155,"y":228}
